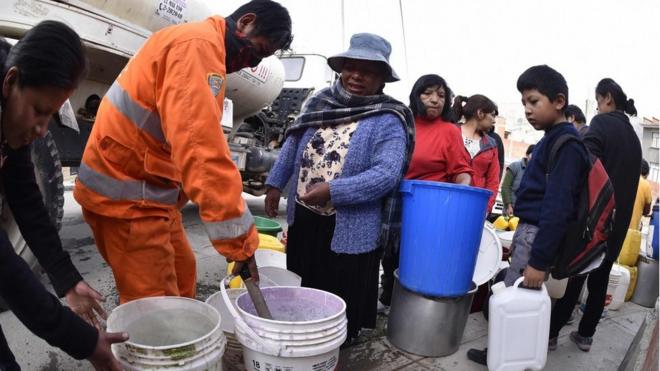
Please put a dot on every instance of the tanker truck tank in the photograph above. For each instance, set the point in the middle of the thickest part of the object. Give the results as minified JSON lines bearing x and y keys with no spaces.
{"x":251,"y":89}
{"x":150,"y":14}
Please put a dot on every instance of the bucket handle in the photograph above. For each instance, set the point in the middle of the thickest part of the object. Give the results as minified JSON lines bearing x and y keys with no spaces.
{"x":268,"y":346}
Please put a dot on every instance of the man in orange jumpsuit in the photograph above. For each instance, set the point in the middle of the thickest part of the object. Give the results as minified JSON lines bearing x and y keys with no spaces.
{"x":157,"y":141}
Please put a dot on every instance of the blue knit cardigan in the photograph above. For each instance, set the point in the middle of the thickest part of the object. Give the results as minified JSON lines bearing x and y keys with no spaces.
{"x":371,"y":171}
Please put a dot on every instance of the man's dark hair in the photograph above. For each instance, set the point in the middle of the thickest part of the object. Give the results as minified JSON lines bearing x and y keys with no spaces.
{"x":621,"y":101}
{"x":546,"y":80}
{"x":530,"y":149}
{"x":423,"y":83}
{"x":574,"y":111}
{"x":49,"y":54}
{"x":273,"y":21}
{"x":645,"y":168}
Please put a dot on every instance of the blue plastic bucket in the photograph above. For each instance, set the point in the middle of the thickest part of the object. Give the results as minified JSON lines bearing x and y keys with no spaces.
{"x":441,"y":231}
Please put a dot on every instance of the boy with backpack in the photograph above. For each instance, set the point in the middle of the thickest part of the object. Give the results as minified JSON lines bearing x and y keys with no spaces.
{"x":612,"y":139}
{"x":547,"y":198}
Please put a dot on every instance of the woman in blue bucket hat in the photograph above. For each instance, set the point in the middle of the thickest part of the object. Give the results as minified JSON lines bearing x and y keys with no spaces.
{"x":344,"y":156}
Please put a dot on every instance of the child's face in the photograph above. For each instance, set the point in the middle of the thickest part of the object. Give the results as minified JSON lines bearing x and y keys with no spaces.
{"x":540,"y":111}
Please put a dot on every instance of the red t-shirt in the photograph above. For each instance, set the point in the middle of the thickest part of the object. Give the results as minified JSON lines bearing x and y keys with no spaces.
{"x":439,"y":153}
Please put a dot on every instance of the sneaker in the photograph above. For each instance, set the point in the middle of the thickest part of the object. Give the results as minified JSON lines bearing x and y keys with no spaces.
{"x":583,"y":343}
{"x":552,"y":344}
{"x":478,"y":356}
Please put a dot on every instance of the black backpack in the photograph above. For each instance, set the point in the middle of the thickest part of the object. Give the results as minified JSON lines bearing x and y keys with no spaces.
{"x":585,"y":239}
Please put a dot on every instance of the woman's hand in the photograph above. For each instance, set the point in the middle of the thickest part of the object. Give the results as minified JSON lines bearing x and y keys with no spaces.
{"x":85,"y":302}
{"x":317,"y":194}
{"x":272,"y":202}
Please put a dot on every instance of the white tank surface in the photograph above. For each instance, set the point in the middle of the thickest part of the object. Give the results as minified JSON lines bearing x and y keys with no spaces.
{"x":151,"y":14}
{"x":253,"y":88}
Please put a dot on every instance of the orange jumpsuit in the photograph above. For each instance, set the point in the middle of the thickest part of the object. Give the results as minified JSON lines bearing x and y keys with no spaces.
{"x":157,"y":141}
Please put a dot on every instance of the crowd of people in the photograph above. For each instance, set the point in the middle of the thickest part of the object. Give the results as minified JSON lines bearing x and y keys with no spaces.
{"x":334,"y":204}
{"x":156,"y":144}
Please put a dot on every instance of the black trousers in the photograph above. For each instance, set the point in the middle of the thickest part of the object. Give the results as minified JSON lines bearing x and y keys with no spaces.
{"x":390,"y":264}
{"x":597,"y":282}
{"x":353,"y":277}
{"x":7,"y":360}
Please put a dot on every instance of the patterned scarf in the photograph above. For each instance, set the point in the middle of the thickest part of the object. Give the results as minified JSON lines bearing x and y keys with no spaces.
{"x":334,"y":106}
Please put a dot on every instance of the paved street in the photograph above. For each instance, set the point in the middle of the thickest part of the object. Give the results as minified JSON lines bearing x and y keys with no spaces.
{"x":373,"y":351}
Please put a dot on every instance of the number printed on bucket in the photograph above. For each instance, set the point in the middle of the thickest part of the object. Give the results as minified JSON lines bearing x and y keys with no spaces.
{"x":327,"y":365}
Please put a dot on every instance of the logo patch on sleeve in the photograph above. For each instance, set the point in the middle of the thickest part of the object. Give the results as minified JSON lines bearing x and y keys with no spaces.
{"x":215,"y":83}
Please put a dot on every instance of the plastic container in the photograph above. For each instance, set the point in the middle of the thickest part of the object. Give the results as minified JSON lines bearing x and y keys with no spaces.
{"x":234,"y":351}
{"x":489,"y":258}
{"x":168,"y":333}
{"x":556,"y":288}
{"x":654,"y":230}
{"x":441,"y":231}
{"x":267,"y":226}
{"x":309,"y":327}
{"x":619,"y":295}
{"x":631,"y":248}
{"x":633,"y":281}
{"x":518,"y":328}
{"x":615,"y":280}
{"x":268,"y":259}
{"x":269,"y":242}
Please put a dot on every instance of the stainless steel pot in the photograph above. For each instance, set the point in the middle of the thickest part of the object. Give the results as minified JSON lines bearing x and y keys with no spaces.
{"x":428,"y":326}
{"x":646,"y":291}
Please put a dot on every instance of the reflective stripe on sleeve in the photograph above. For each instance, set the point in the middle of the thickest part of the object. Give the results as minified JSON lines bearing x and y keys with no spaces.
{"x":231,"y":228}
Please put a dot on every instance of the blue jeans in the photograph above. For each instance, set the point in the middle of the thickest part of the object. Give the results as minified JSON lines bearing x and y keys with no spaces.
{"x":521,"y":249}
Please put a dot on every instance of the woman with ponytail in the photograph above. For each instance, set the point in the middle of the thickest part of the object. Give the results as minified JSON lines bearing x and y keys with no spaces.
{"x":479,"y":114}
{"x":612,"y":139}
{"x":38,"y":75}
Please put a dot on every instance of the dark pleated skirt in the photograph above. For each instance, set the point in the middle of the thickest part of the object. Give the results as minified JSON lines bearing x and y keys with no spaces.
{"x":353,"y":277}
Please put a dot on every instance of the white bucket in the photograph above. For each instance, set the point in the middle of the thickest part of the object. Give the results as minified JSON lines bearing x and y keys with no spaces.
{"x":234,"y":352}
{"x":168,"y":332}
{"x":619,"y":295}
{"x":309,"y":327}
{"x":556,"y":288}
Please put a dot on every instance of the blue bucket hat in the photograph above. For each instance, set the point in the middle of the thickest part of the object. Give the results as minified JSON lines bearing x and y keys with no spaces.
{"x":368,"y":47}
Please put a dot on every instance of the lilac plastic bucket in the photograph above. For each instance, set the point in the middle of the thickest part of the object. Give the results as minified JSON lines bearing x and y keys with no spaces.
{"x":306,"y":331}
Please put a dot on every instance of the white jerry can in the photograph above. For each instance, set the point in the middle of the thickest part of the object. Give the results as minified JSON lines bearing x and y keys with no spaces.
{"x":518,"y":328}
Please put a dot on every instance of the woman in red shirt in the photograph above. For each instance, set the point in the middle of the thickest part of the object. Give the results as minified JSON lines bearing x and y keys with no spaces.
{"x":439,"y":154}
{"x":479,"y":114}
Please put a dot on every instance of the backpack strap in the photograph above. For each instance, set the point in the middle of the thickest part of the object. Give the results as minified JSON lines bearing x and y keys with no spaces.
{"x":556,"y":146}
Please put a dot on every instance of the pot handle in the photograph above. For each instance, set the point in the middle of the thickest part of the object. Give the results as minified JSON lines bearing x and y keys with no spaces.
{"x":267,"y":346}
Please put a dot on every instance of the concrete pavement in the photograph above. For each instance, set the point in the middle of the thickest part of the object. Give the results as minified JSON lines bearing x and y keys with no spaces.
{"x":371,"y":352}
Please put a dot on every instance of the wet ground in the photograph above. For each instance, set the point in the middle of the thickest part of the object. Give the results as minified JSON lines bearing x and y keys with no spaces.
{"x":372,"y":351}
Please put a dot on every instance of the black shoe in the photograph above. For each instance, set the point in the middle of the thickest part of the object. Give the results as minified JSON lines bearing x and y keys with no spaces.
{"x":478,"y":356}
{"x":350,"y":341}
{"x":386,"y":298}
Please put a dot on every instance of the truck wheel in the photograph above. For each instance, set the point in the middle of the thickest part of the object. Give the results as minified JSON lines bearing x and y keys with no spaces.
{"x":48,"y":172}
